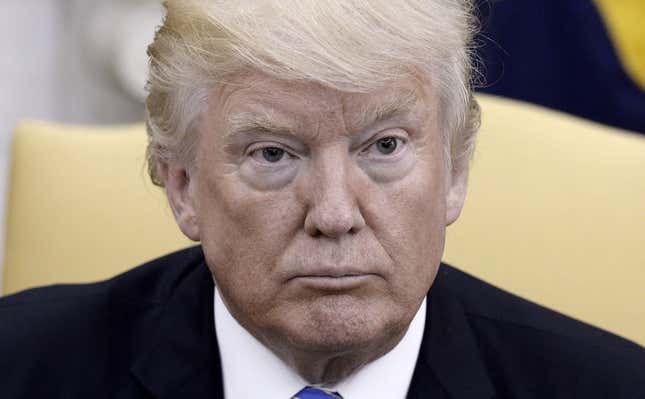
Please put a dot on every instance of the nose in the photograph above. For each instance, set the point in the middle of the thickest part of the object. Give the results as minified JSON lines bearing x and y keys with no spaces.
{"x":333,"y":204}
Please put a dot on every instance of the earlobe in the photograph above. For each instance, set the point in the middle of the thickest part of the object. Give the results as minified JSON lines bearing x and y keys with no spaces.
{"x":179,"y":190}
{"x":456,"y":195}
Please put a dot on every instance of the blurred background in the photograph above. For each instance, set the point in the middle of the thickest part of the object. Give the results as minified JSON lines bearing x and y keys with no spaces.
{"x":83,"y":62}
{"x":71,"y":61}
{"x":583,"y":57}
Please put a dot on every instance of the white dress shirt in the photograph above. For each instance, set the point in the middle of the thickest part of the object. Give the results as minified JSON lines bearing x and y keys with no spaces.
{"x":250,"y":370}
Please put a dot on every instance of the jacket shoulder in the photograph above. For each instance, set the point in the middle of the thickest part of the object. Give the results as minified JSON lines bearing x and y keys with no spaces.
{"x":522,"y":341}
{"x":149,"y":282}
{"x":50,"y":333}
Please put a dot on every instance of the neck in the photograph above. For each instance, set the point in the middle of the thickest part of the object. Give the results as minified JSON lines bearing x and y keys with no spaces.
{"x":329,"y":367}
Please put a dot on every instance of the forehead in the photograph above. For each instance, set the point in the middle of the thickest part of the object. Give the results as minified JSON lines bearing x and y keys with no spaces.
{"x":259,"y":95}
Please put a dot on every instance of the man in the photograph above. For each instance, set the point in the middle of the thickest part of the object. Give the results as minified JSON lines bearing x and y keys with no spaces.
{"x":317,"y":150}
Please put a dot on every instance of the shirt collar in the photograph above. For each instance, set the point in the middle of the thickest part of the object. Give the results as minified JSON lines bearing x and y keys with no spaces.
{"x":269,"y":377}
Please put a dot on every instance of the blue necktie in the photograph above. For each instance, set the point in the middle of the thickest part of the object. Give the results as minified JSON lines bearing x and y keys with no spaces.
{"x":316,"y":393}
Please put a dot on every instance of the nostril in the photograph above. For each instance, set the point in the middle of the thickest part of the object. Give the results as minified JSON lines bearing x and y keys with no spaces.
{"x":333,"y":224}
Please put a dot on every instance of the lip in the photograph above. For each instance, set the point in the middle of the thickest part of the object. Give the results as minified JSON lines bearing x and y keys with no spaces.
{"x":332,"y":271}
{"x":338,"y":282}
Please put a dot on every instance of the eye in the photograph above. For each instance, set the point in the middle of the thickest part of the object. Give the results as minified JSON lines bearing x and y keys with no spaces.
{"x":270,"y":155}
{"x":386,"y":146}
{"x":388,"y":156}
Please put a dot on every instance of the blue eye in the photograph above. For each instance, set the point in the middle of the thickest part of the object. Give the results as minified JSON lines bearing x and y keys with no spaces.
{"x":272,"y":154}
{"x":386,"y":145}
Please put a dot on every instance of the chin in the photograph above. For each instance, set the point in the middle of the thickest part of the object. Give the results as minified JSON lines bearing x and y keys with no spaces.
{"x":338,"y":324}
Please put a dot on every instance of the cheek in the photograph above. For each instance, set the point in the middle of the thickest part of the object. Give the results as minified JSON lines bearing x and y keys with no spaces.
{"x":243,"y":232}
{"x":412,"y":227}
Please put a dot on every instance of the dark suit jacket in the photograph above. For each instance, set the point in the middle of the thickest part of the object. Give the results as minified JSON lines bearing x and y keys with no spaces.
{"x":149,"y":333}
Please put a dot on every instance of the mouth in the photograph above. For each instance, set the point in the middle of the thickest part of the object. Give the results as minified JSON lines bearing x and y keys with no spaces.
{"x":336,"y":280}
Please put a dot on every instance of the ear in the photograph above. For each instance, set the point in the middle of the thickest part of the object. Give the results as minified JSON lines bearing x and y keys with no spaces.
{"x":456,"y":195}
{"x":179,"y":190}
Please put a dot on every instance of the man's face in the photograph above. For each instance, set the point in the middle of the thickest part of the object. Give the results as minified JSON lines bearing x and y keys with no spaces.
{"x":321,"y":213}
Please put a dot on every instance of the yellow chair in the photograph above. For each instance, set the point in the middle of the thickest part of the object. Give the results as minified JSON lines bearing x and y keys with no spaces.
{"x":81,"y":207}
{"x":555,"y":213}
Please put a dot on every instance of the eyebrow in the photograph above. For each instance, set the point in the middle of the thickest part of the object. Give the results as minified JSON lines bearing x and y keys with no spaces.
{"x":252,"y":122}
{"x":394,"y":106}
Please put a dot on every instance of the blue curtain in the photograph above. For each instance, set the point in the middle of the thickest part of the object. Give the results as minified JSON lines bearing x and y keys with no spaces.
{"x":558,"y":53}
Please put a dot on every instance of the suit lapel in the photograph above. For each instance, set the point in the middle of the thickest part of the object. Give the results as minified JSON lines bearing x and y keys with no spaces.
{"x":449,"y":364}
{"x":183,"y":359}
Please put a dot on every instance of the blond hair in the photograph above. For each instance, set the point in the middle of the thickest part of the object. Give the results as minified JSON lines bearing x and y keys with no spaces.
{"x":350,"y":45}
